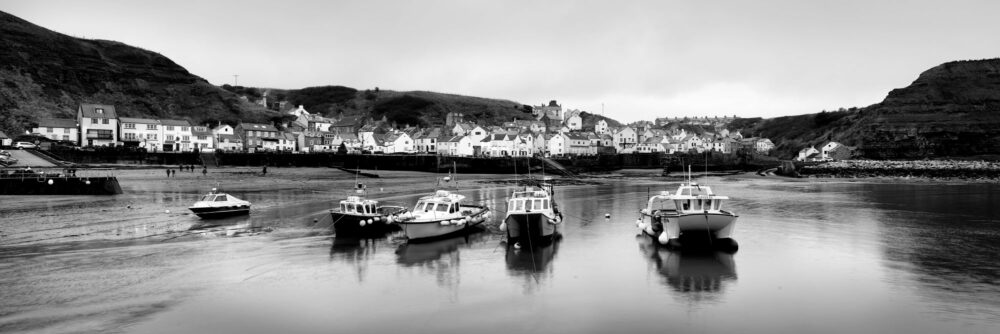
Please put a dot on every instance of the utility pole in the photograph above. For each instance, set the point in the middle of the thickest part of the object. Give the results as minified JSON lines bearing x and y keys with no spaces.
{"x":236,"y":79}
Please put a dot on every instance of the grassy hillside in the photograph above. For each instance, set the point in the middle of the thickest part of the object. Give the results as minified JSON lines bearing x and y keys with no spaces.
{"x":47,"y":74}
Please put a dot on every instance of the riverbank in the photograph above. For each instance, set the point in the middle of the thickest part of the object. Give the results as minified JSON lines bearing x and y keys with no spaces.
{"x":944,"y":170}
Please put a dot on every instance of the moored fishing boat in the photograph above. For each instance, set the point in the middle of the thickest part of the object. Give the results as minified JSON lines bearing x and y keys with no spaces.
{"x":693,"y":213}
{"x":218,"y":205}
{"x":358,"y":215}
{"x":533,"y":217}
{"x":441,"y":214}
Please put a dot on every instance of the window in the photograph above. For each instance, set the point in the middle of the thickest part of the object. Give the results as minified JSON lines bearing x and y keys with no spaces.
{"x":184,"y":128}
{"x":128,"y":125}
{"x":151,"y":136}
{"x":65,"y":137}
{"x":170,"y":128}
{"x":93,"y":121}
{"x":65,"y":130}
{"x":49,"y":130}
{"x":99,"y":110}
{"x":104,"y":121}
{"x":150,"y":126}
{"x":170,"y":137}
{"x":202,"y":137}
{"x":185,"y":138}
{"x":220,"y":198}
{"x":442,"y":207}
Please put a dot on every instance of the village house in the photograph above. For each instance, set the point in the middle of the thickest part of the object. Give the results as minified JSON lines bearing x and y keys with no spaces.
{"x":455,"y":146}
{"x":625,"y":139}
{"x":202,"y":138}
{"x":574,"y":120}
{"x":287,"y":142}
{"x":98,"y":125}
{"x":312,"y":141}
{"x":760,"y":145}
{"x":601,"y":127}
{"x":4,"y":139}
{"x":176,"y":135}
{"x":824,"y":152}
{"x":258,"y":137}
{"x":578,"y":144}
{"x":807,"y":154}
{"x":396,"y":142}
{"x":650,"y":145}
{"x":501,"y":145}
{"x":425,"y":141}
{"x":57,"y":129}
{"x":550,"y":144}
{"x":141,"y":132}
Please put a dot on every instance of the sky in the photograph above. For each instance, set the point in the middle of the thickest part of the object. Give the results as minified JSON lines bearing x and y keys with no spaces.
{"x":637,"y":59}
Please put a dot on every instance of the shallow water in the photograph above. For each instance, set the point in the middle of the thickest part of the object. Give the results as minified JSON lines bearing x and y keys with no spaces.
{"x":813,"y":257}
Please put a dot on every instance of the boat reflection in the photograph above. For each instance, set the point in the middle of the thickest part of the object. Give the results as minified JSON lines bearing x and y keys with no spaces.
{"x":698,"y":275}
{"x":229,"y":227}
{"x":356,"y":251}
{"x":435,"y":252}
{"x":532,"y":264}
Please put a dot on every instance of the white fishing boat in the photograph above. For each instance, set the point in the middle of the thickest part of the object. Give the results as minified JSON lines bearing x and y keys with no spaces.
{"x":693,"y":212}
{"x":441,"y":214}
{"x":357,"y":215}
{"x":533,"y":217}
{"x":219,"y":205}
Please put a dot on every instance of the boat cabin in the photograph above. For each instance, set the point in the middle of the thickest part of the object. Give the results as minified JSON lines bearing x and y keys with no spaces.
{"x":356,"y":205}
{"x":688,"y":198}
{"x":527,"y":201}
{"x":212,"y":197}
{"x":442,"y":201}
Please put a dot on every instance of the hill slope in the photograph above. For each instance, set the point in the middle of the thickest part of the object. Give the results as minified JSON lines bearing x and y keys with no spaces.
{"x":47,"y":74}
{"x":952,"y":109}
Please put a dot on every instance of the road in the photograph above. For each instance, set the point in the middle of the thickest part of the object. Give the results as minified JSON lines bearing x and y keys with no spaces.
{"x":25,"y":158}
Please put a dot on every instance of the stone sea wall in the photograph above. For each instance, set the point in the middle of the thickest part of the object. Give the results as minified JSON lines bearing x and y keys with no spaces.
{"x":932,"y":169}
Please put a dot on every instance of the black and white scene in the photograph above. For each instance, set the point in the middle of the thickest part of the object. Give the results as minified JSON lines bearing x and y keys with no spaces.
{"x":487,"y":166}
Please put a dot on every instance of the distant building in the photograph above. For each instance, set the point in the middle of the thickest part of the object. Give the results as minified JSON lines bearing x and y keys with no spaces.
{"x":4,"y":139}
{"x":141,"y":132}
{"x":57,"y":129}
{"x":553,"y":110}
{"x":176,"y":134}
{"x":574,"y":120}
{"x":258,"y":136}
{"x":202,"y":138}
{"x":98,"y":125}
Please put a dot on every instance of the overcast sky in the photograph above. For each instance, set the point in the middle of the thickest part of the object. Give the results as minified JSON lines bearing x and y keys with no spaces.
{"x":642,"y":59}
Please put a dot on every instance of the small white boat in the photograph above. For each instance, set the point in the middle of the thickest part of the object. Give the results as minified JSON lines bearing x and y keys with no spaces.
{"x":441,"y":214}
{"x":358,"y":215}
{"x":219,"y":205}
{"x":693,"y":212}
{"x":533,"y":217}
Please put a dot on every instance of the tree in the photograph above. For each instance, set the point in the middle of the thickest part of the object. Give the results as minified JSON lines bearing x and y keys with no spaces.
{"x":342,"y":149}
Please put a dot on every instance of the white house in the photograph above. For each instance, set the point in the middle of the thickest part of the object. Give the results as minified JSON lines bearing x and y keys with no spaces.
{"x":287,"y":142}
{"x":650,"y":145}
{"x":501,"y":145}
{"x":625,"y":139}
{"x":425,"y":141}
{"x":551,"y":144}
{"x":824,"y":153}
{"x":601,"y":127}
{"x":98,"y":125}
{"x":806,"y":153}
{"x":57,"y":129}
{"x":176,"y":134}
{"x":578,"y":144}
{"x":573,"y":120}
{"x":455,"y":145}
{"x":229,"y":142}
{"x":141,"y":132}
{"x":4,"y":139}
{"x":397,"y":142}
{"x":202,"y":138}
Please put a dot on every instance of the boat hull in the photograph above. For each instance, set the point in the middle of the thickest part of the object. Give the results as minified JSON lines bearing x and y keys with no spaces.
{"x":530,"y":228}
{"x":349,"y":225}
{"x":221,"y":212}
{"x":418,"y":230}
{"x":693,"y":227}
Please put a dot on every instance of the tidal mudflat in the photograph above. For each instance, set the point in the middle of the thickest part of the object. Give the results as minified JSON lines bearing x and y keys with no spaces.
{"x":815,"y":256}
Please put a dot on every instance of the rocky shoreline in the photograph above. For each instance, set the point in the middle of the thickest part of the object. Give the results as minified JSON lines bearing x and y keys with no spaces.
{"x":984,"y":171}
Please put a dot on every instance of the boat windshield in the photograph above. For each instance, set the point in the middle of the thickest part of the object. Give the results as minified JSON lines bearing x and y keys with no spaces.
{"x":442,"y":207}
{"x":221,"y":198}
{"x":208,"y":198}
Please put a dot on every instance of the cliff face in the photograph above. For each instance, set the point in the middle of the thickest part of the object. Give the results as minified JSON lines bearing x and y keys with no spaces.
{"x":950,"y":110}
{"x":47,"y":74}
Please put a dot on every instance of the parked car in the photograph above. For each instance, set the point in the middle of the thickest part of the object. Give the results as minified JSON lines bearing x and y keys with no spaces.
{"x":23,"y":145}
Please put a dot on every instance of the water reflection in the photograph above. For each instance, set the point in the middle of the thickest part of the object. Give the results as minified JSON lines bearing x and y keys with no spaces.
{"x":229,"y":227}
{"x":532,"y":264}
{"x":358,"y":251}
{"x":438,"y":253}
{"x":698,"y":275}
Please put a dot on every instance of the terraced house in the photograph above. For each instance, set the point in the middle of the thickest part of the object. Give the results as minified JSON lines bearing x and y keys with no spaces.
{"x":98,"y":125}
{"x":176,"y":135}
{"x":259,"y":136}
{"x":57,"y":129}
{"x":141,"y":132}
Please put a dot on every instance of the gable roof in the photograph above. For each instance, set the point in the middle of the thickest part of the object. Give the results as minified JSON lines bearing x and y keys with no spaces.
{"x":57,"y":123}
{"x":175,"y":122}
{"x":258,"y":127}
{"x":91,"y":111}
{"x":138,"y":120}
{"x":3,"y":135}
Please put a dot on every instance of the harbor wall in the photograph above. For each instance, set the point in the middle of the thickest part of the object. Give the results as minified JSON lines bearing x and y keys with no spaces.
{"x":39,"y":185}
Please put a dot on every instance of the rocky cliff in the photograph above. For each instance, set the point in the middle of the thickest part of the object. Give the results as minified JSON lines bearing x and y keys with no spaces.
{"x":951,"y":110}
{"x":47,"y":74}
